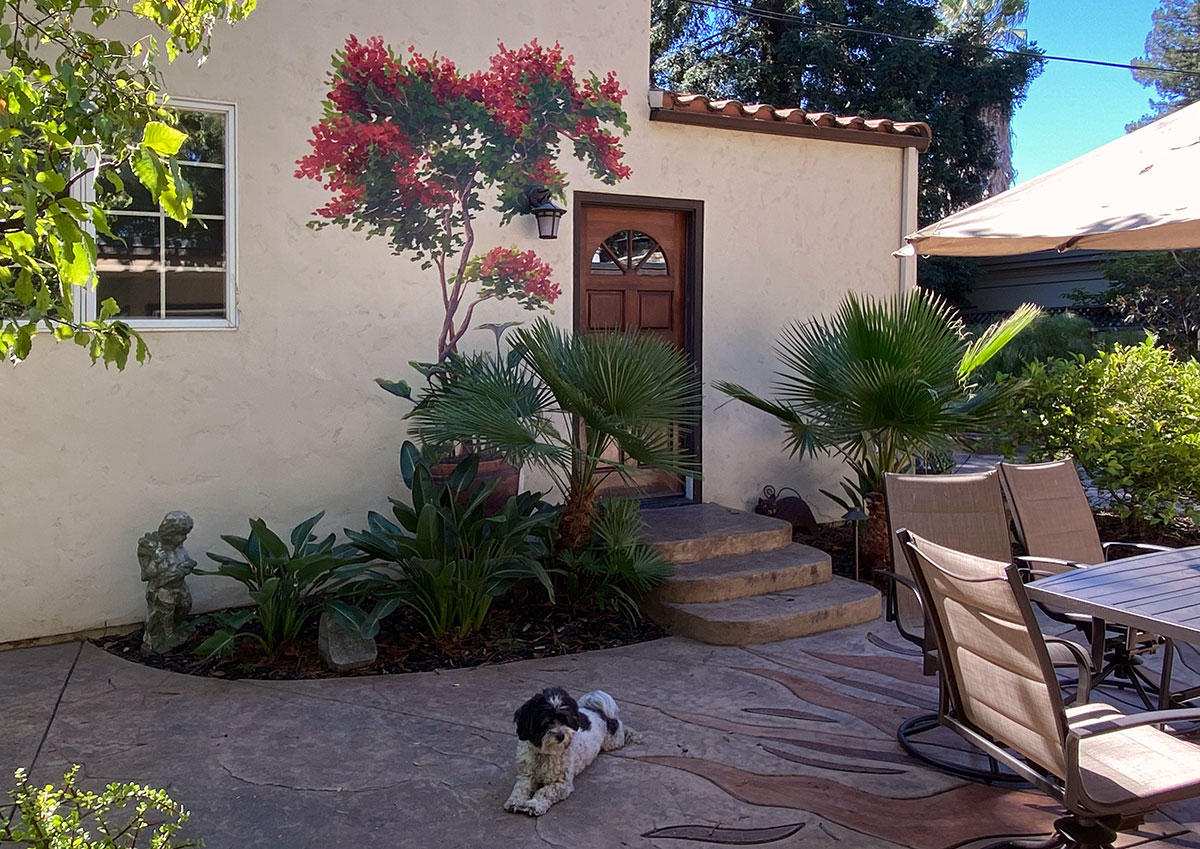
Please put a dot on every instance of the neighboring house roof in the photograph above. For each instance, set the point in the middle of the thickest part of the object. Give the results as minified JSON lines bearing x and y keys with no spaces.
{"x":762,"y":118}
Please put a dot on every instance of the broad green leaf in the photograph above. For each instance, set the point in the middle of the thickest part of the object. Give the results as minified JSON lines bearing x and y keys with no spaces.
{"x":163,"y":139}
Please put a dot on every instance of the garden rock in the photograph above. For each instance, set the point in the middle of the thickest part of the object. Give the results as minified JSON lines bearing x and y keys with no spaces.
{"x":341,"y":650}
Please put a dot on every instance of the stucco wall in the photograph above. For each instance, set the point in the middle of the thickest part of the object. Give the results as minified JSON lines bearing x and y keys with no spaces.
{"x":280,"y":417}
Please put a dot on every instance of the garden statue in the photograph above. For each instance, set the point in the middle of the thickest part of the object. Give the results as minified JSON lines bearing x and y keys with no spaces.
{"x":165,"y":564}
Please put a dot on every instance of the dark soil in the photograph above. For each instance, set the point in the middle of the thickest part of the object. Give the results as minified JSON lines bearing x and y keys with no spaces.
{"x":837,"y":539}
{"x":515,"y":630}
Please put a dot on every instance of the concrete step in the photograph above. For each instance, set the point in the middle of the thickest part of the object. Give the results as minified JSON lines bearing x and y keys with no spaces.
{"x":741,"y":575}
{"x":836,"y":603}
{"x":703,"y":531}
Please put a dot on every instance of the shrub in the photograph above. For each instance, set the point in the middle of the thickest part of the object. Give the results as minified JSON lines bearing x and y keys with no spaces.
{"x":1131,"y":419}
{"x":452,"y":559}
{"x":124,"y":816}
{"x":616,"y":568}
{"x":280,"y":582}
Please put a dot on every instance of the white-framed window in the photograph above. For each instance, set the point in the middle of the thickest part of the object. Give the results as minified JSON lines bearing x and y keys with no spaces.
{"x":166,"y":276}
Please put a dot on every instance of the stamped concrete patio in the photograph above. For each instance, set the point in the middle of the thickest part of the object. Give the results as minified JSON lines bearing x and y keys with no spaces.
{"x":784,"y":744}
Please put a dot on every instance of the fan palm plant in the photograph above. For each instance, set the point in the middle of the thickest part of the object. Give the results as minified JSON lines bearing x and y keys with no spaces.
{"x":570,"y":402}
{"x":883,"y":382}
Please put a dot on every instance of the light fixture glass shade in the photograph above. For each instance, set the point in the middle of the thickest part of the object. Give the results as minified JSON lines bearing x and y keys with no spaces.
{"x":548,"y":215}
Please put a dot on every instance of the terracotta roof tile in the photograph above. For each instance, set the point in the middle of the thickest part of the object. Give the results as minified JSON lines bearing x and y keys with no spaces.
{"x":697,"y":108}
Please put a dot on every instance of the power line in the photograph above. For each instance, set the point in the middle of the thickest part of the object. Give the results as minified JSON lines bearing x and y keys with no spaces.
{"x":788,"y":17}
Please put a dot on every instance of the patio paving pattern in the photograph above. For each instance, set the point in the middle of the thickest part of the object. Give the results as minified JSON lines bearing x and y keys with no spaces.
{"x":785,"y":744}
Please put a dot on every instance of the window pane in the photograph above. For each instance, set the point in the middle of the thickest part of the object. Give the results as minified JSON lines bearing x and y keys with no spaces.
{"x":208,"y":189}
{"x":618,"y":244}
{"x":206,"y":136}
{"x":201,"y":243}
{"x":135,"y":196}
{"x":136,"y":292}
{"x":642,"y":245}
{"x":195,"y":294}
{"x":139,"y":245}
{"x":655,"y":265}
{"x":602,"y":262}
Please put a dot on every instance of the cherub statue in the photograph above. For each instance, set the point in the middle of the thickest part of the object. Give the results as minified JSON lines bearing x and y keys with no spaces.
{"x":165,"y":564}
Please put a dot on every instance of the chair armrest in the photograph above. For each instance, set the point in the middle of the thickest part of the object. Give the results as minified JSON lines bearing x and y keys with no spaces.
{"x":1083,"y":663}
{"x":1028,"y":572}
{"x":1141,"y":546}
{"x":899,"y":579}
{"x":1135,"y":720}
{"x":893,"y":614}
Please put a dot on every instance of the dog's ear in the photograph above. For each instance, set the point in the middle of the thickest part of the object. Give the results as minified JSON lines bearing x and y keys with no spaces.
{"x":566,"y":709}
{"x":530,"y":719}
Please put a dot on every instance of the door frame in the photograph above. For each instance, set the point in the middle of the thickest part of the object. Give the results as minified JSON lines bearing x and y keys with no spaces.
{"x":693,"y":324}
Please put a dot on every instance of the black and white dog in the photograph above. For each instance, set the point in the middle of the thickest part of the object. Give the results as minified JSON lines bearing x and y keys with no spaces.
{"x":558,"y":738}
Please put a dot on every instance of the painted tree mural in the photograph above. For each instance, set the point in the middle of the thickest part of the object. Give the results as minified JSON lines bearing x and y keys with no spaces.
{"x":407,"y":147}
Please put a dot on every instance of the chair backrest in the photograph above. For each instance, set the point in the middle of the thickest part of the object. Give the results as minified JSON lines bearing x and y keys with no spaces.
{"x":964,"y":512}
{"x":1051,"y":512}
{"x":995,"y":668}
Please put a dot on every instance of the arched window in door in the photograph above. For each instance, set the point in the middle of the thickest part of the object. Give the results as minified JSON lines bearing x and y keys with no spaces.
{"x":630,"y":252}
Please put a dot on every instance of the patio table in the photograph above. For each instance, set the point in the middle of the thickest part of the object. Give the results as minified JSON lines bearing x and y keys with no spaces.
{"x":1158,"y":593}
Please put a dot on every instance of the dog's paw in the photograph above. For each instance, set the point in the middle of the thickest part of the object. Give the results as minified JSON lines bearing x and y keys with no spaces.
{"x":532,"y":807}
{"x":632,"y":737}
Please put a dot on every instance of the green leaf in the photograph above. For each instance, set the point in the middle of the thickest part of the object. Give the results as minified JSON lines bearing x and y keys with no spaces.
{"x":52,"y":181}
{"x":163,"y":139}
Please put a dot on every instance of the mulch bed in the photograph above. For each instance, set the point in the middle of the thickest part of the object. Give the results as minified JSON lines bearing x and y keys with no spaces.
{"x":516,"y":629}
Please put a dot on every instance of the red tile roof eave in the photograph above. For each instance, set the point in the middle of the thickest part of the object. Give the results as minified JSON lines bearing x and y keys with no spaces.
{"x":699,"y":110}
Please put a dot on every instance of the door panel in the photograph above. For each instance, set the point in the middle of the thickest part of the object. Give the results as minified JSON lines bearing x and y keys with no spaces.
{"x":632,"y":275}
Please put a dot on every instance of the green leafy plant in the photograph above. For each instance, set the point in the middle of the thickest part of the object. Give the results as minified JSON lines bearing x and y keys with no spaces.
{"x":79,"y":102}
{"x":281,"y":583}
{"x":451,"y":559}
{"x":444,"y":375}
{"x":570,"y":403}
{"x":122,"y":816}
{"x":882,"y":383}
{"x":1157,"y":290}
{"x":615,"y":568}
{"x":1130,"y":417}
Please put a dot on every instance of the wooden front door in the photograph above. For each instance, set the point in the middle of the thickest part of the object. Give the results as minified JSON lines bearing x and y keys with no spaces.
{"x":632,"y":274}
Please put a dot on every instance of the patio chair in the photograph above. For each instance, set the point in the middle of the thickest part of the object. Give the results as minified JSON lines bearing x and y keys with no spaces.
{"x":1107,"y":769}
{"x":961,"y":511}
{"x":965,"y":512}
{"x":1055,"y":526}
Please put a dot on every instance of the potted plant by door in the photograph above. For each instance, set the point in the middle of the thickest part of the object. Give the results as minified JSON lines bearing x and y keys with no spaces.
{"x":440,"y":378}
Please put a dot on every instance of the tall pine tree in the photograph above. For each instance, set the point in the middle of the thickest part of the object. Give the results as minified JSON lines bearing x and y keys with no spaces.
{"x":1174,"y":42}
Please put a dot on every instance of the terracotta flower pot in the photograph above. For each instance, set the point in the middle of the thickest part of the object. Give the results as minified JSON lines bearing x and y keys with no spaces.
{"x":490,"y":469}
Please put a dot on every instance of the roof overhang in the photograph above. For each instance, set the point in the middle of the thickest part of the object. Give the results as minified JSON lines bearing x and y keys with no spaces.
{"x":701,"y":111}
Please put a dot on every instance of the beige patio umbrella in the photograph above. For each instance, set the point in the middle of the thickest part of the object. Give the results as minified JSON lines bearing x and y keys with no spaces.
{"x":1138,"y":193}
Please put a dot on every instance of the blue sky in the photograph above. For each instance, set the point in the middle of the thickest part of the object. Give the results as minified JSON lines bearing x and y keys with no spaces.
{"x":1071,"y":108}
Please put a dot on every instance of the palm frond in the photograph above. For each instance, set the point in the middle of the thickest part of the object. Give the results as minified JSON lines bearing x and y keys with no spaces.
{"x":992,"y":340}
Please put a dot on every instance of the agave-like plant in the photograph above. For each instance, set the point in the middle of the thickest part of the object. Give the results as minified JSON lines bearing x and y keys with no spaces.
{"x":571,"y":399}
{"x":883,"y":382}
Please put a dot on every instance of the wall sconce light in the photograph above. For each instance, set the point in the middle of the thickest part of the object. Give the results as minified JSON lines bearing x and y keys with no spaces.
{"x":545,"y":210}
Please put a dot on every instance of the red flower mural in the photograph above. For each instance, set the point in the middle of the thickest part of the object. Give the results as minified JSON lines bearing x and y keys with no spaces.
{"x":407,"y":146}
